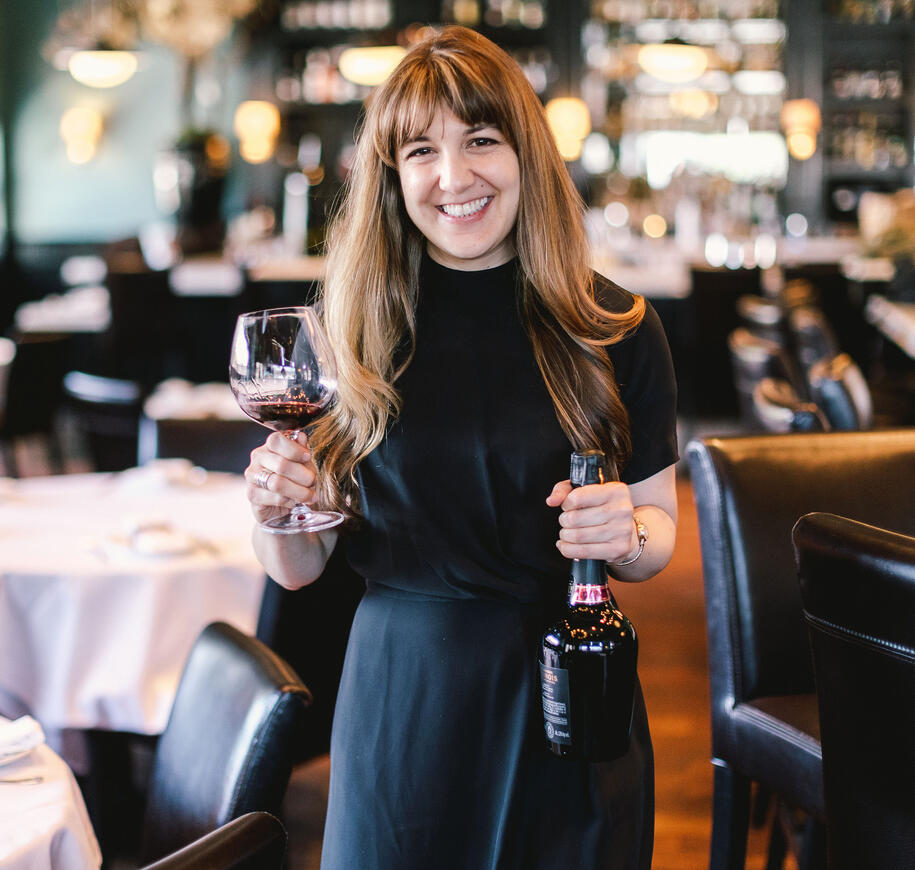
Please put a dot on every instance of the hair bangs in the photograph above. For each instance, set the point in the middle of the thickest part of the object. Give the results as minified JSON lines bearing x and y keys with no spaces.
{"x":430,"y":81}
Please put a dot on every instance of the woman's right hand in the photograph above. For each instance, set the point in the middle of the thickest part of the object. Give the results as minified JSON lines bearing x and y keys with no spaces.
{"x":293,"y":479}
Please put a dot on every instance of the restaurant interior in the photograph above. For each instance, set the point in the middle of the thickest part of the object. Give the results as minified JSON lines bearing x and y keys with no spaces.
{"x":746,"y":165}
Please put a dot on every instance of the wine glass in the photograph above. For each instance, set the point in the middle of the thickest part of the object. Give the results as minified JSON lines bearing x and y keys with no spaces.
{"x":283,"y":374}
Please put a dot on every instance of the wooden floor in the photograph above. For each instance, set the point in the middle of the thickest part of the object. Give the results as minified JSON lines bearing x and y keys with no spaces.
{"x":669,"y":615}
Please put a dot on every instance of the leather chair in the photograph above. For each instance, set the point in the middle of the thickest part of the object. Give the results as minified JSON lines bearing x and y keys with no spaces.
{"x":229,"y":745}
{"x":213,"y":444}
{"x":780,"y":409}
{"x":34,"y":394}
{"x":763,"y":317}
{"x":754,"y":358}
{"x":858,"y":589}
{"x":838,"y":387}
{"x":106,"y":414}
{"x":749,"y":491}
{"x":254,"y":841}
{"x":812,"y":336}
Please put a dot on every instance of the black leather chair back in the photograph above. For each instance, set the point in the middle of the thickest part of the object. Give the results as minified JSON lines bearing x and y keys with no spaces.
{"x":214,"y":444}
{"x":254,"y":841}
{"x":765,"y":318}
{"x":754,"y":358}
{"x":838,"y":387}
{"x":812,"y":336}
{"x":750,"y":490}
{"x":106,"y":414}
{"x":34,"y":395}
{"x":780,"y":409}
{"x":858,"y":587}
{"x":229,"y":745}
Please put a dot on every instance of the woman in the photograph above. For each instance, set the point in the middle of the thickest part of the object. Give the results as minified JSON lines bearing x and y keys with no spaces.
{"x":475,"y":350}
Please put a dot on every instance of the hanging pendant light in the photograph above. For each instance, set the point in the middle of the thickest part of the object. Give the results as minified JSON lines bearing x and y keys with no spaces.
{"x":673,"y":60}
{"x":93,"y":41}
{"x":369,"y":65}
{"x":102,"y":67}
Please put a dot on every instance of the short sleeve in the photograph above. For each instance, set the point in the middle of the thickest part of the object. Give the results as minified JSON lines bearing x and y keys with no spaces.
{"x":644,"y":373}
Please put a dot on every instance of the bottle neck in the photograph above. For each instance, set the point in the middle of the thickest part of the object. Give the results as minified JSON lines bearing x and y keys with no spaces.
{"x":589,"y":582}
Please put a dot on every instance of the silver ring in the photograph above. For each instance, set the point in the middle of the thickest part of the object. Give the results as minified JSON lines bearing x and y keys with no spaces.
{"x":262,"y":478}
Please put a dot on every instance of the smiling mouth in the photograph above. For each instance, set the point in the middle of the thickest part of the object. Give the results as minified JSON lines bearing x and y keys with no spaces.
{"x":465,"y":209}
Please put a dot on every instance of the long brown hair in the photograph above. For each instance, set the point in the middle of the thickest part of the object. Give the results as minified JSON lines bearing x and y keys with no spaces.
{"x":374,"y":255}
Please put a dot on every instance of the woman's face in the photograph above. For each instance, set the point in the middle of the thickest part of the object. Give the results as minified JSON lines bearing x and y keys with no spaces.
{"x":461,"y":185}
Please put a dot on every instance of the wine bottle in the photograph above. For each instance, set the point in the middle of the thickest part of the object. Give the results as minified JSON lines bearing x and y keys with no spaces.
{"x":588,"y":656}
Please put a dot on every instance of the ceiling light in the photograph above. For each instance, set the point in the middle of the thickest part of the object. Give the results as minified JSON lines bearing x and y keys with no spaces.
{"x":102,"y":68}
{"x":673,"y":60}
{"x":369,"y":65}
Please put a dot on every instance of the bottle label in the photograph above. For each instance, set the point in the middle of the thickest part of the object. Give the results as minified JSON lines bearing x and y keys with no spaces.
{"x":588,"y":593}
{"x":554,"y":686}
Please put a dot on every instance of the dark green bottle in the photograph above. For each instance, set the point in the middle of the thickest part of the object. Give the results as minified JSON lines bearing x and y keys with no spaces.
{"x":588,"y":656}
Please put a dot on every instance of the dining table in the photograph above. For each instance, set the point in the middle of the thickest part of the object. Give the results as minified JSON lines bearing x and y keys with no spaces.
{"x":44,"y":823}
{"x":107,"y":579}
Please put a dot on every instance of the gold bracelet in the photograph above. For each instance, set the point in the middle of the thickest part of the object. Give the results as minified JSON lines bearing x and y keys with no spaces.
{"x":641,"y":531}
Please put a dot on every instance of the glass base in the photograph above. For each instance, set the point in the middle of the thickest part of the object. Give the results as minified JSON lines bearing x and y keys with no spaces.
{"x":302,"y":519}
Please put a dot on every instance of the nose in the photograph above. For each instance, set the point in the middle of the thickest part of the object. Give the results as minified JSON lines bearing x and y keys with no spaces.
{"x":455,"y":173}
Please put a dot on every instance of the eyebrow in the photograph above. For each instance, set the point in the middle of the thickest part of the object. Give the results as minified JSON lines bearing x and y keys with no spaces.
{"x":475,"y":128}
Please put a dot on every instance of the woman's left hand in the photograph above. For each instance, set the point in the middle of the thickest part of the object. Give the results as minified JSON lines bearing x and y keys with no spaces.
{"x":596,"y":521}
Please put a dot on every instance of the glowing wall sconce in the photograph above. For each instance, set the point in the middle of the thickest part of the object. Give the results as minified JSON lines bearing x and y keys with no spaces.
{"x":570,"y":123}
{"x":369,"y":65}
{"x":257,"y":125}
{"x":81,"y":130}
{"x":102,"y":68}
{"x":673,"y":60}
{"x":801,"y":121}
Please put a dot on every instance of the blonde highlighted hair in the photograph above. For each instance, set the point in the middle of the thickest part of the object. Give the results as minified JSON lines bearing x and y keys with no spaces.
{"x":374,"y":254}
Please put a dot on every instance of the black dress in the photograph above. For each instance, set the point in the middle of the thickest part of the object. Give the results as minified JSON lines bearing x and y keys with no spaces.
{"x":438,"y":758}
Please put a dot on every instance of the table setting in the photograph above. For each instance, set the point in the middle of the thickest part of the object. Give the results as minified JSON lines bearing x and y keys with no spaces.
{"x":44,"y":824}
{"x":106,"y":579}
{"x":82,"y":309}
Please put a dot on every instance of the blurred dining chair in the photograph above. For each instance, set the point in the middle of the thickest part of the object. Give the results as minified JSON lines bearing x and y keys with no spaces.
{"x":858,"y":588}
{"x":764,"y":317}
{"x":230,"y":741}
{"x":105,"y":414}
{"x":34,"y":393}
{"x":142,"y":342}
{"x":779,"y":408}
{"x":254,"y":841}
{"x":7,"y":354}
{"x":753,"y":358}
{"x":838,"y":387}
{"x":812,"y":337}
{"x":212,"y":443}
{"x":749,"y":492}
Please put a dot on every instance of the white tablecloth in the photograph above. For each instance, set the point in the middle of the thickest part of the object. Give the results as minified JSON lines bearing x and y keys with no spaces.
{"x":93,"y":632}
{"x":44,"y":825}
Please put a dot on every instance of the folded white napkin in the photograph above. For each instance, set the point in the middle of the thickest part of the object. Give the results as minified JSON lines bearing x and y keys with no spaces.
{"x":179,"y":399}
{"x":19,"y":735}
{"x":161,"y":474}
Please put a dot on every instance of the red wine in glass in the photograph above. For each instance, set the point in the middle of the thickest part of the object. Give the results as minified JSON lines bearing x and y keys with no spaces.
{"x":283,"y":375}
{"x":283,"y":416}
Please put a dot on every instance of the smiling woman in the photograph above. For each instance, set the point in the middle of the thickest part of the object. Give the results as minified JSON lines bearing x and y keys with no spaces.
{"x":460,"y":187}
{"x":476,"y":349}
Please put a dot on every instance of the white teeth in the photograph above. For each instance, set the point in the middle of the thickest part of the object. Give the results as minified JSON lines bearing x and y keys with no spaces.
{"x":466,"y":208}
